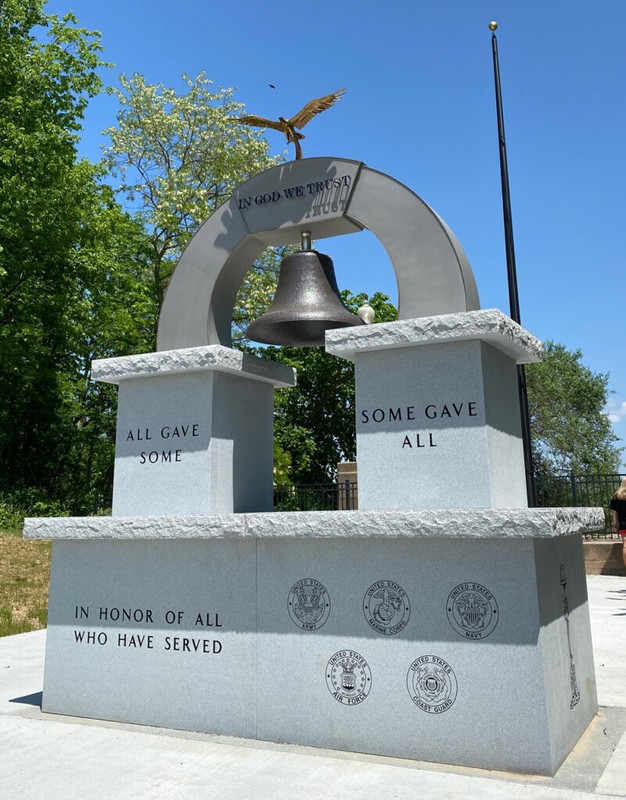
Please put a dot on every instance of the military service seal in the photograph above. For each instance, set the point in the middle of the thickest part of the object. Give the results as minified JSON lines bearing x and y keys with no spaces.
{"x":472,"y":610}
{"x":308,"y":604}
{"x":386,"y":607}
{"x":348,"y":677}
{"x":431,"y":684}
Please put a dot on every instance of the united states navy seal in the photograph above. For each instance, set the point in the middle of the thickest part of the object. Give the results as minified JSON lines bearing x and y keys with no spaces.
{"x":472,"y":610}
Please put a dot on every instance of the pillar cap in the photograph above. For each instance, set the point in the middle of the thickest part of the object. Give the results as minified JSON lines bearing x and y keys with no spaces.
{"x":216,"y":358}
{"x":488,"y":325}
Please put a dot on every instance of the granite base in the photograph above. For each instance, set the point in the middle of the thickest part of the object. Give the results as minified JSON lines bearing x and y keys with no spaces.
{"x":302,"y":628}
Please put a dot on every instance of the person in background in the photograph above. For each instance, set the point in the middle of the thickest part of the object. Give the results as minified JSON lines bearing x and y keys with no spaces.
{"x":618,"y":508}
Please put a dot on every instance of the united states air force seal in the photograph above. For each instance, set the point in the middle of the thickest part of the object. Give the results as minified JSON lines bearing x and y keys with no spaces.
{"x":386,"y":607}
{"x":472,"y":610}
{"x":348,"y":677}
{"x":431,"y":684}
{"x":308,"y":604}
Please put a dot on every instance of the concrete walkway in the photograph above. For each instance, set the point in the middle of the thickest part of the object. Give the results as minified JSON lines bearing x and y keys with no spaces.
{"x":49,"y":757}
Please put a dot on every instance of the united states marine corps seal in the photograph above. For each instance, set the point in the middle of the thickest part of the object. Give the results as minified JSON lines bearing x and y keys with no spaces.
{"x":308,"y":604}
{"x":431,"y":684}
{"x":348,"y":677}
{"x":386,"y":607}
{"x":472,"y":610}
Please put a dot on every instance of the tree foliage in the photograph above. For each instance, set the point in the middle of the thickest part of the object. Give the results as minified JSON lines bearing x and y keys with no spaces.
{"x":43,"y":92}
{"x":179,"y":157}
{"x":64,"y":295}
{"x":569,"y":427}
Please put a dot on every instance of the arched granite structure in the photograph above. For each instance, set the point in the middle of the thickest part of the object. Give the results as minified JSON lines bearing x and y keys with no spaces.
{"x":329,"y":197}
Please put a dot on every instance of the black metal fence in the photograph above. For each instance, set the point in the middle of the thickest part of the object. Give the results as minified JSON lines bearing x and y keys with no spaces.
{"x":316,"y":497}
{"x":552,"y":491}
{"x":579,"y":490}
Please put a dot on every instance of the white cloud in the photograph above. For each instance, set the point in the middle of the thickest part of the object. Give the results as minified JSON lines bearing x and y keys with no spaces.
{"x":617,"y":413}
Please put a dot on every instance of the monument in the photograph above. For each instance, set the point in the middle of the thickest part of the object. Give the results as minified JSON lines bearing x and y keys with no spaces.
{"x":444,"y":621}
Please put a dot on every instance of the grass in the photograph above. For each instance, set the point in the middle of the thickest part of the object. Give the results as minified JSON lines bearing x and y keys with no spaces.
{"x":24,"y":581}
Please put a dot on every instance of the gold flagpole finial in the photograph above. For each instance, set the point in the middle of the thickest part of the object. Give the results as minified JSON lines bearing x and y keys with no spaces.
{"x":493,"y":25}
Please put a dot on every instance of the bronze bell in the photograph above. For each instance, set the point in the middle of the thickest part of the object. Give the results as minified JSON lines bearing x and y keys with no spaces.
{"x":306,"y":304}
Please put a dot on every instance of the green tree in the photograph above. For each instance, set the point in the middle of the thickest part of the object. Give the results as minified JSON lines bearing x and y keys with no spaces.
{"x":43,"y":92}
{"x":314,"y":421}
{"x":113,"y":313}
{"x":179,"y":157}
{"x":62,"y":241}
{"x":569,"y":428}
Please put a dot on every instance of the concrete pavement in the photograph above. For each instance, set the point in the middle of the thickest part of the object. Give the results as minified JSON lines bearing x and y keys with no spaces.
{"x":49,"y":757}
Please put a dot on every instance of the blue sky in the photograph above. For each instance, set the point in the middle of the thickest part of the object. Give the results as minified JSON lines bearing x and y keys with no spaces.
{"x":420,"y":107}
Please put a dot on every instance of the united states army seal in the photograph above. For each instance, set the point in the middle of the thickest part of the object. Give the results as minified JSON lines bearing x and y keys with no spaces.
{"x":472,"y":610}
{"x":308,"y":604}
{"x":431,"y":684}
{"x":348,"y":677}
{"x":386,"y":607}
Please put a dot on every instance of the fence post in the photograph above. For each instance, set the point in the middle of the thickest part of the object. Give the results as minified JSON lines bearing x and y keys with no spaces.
{"x":347,"y":491}
{"x":572,"y":478}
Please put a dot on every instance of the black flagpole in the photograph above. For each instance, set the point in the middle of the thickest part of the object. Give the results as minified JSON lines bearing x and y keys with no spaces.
{"x":512,"y":273}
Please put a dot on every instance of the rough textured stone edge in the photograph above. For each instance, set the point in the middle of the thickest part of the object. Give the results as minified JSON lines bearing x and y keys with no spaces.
{"x":515,"y":523}
{"x":192,"y":359}
{"x":489,"y":325}
{"x":157,"y":527}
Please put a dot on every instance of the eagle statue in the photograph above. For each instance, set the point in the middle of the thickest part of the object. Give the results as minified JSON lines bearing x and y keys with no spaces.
{"x":299,"y":120}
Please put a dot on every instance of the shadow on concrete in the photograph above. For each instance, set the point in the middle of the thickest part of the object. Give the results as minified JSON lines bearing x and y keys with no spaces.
{"x":29,"y":699}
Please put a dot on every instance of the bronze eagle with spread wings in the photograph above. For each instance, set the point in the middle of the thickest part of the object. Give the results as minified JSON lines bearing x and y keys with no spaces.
{"x":288,"y":126}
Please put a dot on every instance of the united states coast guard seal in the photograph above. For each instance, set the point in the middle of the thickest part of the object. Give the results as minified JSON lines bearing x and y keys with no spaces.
{"x":348,"y":677}
{"x":308,"y":604}
{"x":431,"y":684}
{"x":386,"y":607}
{"x":472,"y":610}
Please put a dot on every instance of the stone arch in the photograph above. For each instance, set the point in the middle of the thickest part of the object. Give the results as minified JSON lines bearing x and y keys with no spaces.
{"x":329,"y":197}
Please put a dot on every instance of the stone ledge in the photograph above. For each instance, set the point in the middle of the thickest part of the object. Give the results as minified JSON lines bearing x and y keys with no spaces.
{"x":192,"y":359}
{"x":518,"y":523}
{"x":488,"y":325}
